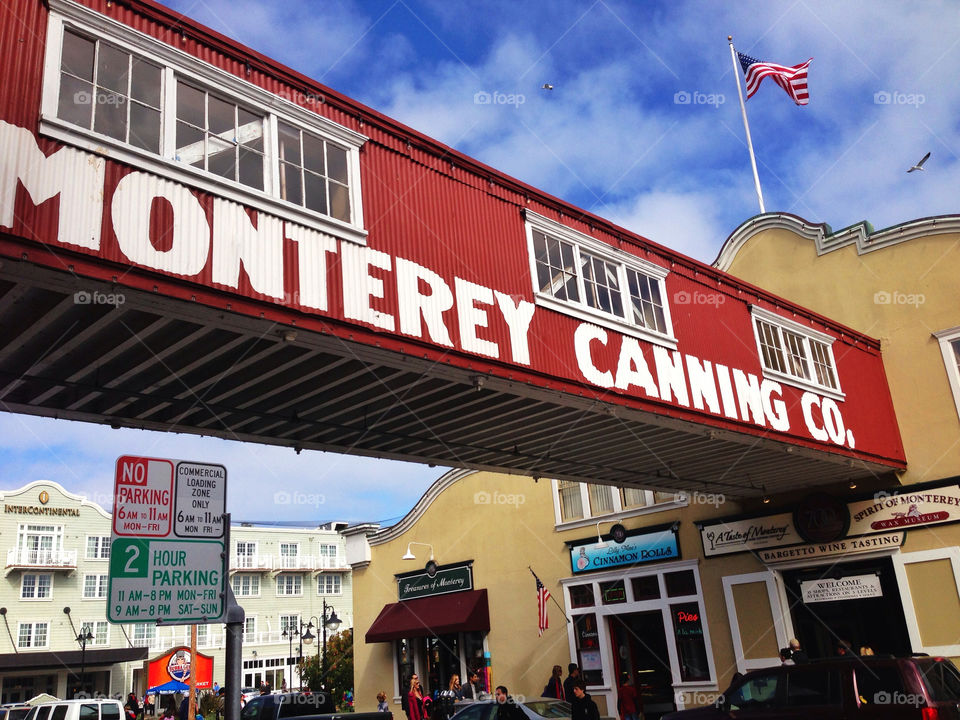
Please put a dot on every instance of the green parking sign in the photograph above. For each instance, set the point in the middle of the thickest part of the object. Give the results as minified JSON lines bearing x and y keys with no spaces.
{"x":129,"y":558}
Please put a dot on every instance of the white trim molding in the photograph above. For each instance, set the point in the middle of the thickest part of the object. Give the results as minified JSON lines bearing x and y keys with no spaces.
{"x":900,"y":562}
{"x":862,"y":234}
{"x":776,"y":611}
{"x":947,"y":338}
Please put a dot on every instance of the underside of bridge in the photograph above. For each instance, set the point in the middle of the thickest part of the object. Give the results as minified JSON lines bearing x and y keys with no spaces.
{"x":158,"y":363}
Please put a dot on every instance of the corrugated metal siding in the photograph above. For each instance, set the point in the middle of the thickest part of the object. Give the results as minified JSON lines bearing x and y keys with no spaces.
{"x":425,"y":205}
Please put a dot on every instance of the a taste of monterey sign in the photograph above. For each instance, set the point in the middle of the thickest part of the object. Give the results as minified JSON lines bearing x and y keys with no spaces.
{"x":453,"y":313}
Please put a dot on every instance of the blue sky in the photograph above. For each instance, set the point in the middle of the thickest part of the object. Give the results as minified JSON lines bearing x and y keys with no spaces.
{"x":615,"y":137}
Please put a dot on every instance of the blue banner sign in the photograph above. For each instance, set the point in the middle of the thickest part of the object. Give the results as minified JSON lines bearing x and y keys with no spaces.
{"x":634,"y":550}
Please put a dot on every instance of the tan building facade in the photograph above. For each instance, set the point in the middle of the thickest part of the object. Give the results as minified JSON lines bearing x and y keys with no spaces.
{"x":873,"y":564}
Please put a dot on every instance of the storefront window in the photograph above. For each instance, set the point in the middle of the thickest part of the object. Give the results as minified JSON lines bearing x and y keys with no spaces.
{"x":404,"y":666}
{"x":473,"y":656}
{"x":688,"y":631}
{"x":581,"y":596}
{"x":680,"y":583}
{"x":646,"y":587}
{"x":613,"y":592}
{"x":443,"y":661}
{"x":588,"y":649}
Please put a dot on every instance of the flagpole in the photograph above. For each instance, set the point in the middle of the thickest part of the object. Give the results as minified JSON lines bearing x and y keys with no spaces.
{"x":551,"y":596}
{"x":746,"y":125}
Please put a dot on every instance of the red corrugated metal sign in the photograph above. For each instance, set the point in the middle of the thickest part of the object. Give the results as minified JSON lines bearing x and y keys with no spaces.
{"x":443,"y":264}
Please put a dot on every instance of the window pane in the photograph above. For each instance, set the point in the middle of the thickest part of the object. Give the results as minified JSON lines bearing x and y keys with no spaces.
{"x":77,"y":56}
{"x":646,"y":587}
{"x":633,"y":497}
{"x":112,"y":68}
{"x":110,"y":115}
{"x":190,"y":105}
{"x":796,"y":355}
{"x":189,"y":145}
{"x":316,"y":192}
{"x":221,"y":157}
{"x":145,"y":85}
{"x":613,"y":592}
{"x":289,"y":142}
{"x":601,"y":499}
{"x":221,"y":117}
{"x":571,"y":504}
{"x":76,"y":101}
{"x":809,"y":687}
{"x":290,"y":184}
{"x":339,"y":202}
{"x":251,"y":168}
{"x":313,"y":154}
{"x":337,"y":163}
{"x":680,"y":583}
{"x":581,"y":595}
{"x":688,"y":630}
{"x":144,"y":127}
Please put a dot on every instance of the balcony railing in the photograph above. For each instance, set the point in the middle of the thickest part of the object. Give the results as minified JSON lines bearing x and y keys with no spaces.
{"x":286,"y":563}
{"x":41,"y":558}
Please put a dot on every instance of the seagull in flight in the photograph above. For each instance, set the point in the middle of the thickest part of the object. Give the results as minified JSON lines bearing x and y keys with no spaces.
{"x":919,"y":165}
{"x":546,"y":86}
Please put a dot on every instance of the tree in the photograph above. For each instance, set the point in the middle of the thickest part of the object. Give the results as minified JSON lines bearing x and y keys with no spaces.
{"x":339,"y":679}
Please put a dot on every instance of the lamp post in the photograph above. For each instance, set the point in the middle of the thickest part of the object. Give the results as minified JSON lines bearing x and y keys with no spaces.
{"x":287,"y":633}
{"x":305,"y":637}
{"x":330,"y":623}
{"x":83,"y":638}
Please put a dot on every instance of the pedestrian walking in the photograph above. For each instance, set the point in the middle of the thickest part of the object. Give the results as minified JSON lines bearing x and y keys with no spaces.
{"x":507,"y":707}
{"x":415,"y":705}
{"x":573,"y":677}
{"x":797,"y":653}
{"x":583,"y":706}
{"x":471,"y":691}
{"x":554,"y":686}
{"x":382,"y":702}
{"x":628,"y":701}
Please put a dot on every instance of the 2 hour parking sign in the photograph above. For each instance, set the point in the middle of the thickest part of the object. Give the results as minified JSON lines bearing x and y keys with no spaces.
{"x":168,"y":562}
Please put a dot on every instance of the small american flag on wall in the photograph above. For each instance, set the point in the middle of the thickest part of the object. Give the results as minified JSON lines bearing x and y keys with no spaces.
{"x":793,"y":79}
{"x":542,"y":596}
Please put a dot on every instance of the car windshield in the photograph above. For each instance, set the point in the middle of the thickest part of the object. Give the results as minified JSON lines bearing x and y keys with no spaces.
{"x":941,"y":678}
{"x":550,"y":708}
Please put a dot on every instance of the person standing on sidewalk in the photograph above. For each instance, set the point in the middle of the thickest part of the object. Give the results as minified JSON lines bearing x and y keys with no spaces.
{"x":584,"y":708}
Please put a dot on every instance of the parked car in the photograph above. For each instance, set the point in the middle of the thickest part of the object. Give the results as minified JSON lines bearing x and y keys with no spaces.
{"x":885,"y":688}
{"x":249,"y":693}
{"x":303,"y":706}
{"x":534,"y":708}
{"x":14,"y":711}
{"x":87,"y":709}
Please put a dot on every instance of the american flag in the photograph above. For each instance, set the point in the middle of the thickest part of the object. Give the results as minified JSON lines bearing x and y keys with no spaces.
{"x":792,"y":79}
{"x":542,"y":596}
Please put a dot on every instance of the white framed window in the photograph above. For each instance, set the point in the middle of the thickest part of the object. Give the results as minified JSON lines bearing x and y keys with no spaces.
{"x":578,"y":275}
{"x":40,"y":544}
{"x":98,"y":547}
{"x":290,"y":584}
{"x":329,"y":584}
{"x":204,"y":637}
{"x":250,"y":629}
{"x":795,"y":354}
{"x":144,"y":634}
{"x":246,"y":554}
{"x":290,"y":624}
{"x":113,"y":90}
{"x":246,"y":585}
{"x":579,"y":504}
{"x":95,"y":586}
{"x":950,"y":349}
{"x":36,"y":586}
{"x":100,"y":629}
{"x":327,"y":551}
{"x":32,"y":635}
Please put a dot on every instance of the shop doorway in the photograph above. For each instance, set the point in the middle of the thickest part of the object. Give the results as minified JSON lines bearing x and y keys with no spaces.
{"x":640,"y":652}
{"x":876,"y":622}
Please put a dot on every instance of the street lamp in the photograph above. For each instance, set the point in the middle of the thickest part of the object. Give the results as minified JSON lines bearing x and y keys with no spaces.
{"x":287,"y":633}
{"x":305,"y":637}
{"x":326,"y":622}
{"x":83,"y":638}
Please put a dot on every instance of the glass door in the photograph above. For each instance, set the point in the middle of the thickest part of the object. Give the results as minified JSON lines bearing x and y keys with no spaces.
{"x":639,"y":646}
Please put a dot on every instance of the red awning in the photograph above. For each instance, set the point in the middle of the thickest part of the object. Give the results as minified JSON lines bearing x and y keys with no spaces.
{"x":437,"y":615}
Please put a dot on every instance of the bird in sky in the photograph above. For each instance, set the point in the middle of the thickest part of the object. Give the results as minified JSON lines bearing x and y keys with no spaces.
{"x":919,"y":165}
{"x":547,"y":86}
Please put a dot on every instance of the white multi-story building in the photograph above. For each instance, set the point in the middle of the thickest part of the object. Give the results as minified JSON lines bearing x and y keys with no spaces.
{"x":54,"y":589}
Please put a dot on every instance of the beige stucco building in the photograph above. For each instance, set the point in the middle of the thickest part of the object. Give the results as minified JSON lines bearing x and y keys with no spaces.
{"x":713,"y":586}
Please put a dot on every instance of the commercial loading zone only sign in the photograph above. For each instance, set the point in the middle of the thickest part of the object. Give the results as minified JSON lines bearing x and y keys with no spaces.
{"x":167,"y":557}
